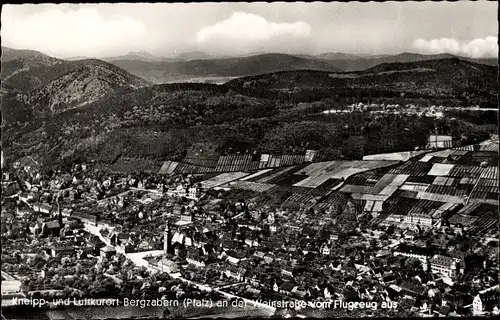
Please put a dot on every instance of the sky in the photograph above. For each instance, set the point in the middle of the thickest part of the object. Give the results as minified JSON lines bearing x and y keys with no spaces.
{"x":104,"y":30}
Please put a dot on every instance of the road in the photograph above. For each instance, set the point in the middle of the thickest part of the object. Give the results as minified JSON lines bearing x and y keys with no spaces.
{"x":229,"y":285}
{"x":7,"y":276}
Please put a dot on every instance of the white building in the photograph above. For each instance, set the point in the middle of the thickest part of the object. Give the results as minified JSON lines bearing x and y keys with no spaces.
{"x":193,"y":193}
{"x":168,"y":266}
{"x":419,"y":219}
{"x":413,"y":254}
{"x":438,"y":141}
{"x":443,"y":265}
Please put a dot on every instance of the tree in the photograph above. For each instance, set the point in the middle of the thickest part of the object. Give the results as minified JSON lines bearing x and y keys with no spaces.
{"x":413,"y":264}
{"x":354,"y":148}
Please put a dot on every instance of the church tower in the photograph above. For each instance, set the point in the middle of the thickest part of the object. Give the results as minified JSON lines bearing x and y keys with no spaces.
{"x":167,"y":240}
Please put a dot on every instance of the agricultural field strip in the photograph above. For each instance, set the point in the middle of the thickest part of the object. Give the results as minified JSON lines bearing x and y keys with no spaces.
{"x":276,"y":174}
{"x":168,"y":167}
{"x":253,"y":186}
{"x":256,"y":174}
{"x":322,"y":171}
{"x":439,"y":169}
{"x":223,"y":179}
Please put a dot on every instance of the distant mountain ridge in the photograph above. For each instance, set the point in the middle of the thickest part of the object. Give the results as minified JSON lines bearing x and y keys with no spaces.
{"x":161,"y":72}
{"x":191,"y":65}
{"x":139,"y":55}
{"x":351,"y":63}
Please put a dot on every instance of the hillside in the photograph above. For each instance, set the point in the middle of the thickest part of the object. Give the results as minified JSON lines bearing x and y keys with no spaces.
{"x":162,"y":72}
{"x":93,"y":80}
{"x":35,"y":84}
{"x":100,"y":112}
{"x":442,"y":78}
{"x":26,"y":70}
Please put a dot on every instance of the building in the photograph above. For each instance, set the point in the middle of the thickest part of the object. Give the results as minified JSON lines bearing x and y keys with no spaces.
{"x":413,"y":252}
{"x":108,"y":252}
{"x":311,"y":155}
{"x":167,"y":241}
{"x":326,"y":249}
{"x":486,"y":301}
{"x":236,"y":273}
{"x":419,"y":219}
{"x":443,"y":265}
{"x":51,"y":228}
{"x":193,"y":257}
{"x":286,"y":288}
{"x":270,"y":218}
{"x":42,"y":207}
{"x":61,"y":250}
{"x":440,"y":142}
{"x":287,"y":271}
{"x":193,"y":193}
{"x":169,"y":266}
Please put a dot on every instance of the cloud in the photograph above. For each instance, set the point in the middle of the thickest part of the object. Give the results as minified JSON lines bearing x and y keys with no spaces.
{"x":477,"y":48}
{"x":80,"y":31}
{"x":245,"y":32}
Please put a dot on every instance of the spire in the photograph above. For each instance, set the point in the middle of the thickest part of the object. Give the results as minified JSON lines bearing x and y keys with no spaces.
{"x":167,"y":240}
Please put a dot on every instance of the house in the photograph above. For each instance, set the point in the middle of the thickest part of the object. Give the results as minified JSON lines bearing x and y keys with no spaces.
{"x":84,"y":252}
{"x":52,"y":228}
{"x":236,"y":273}
{"x":443,"y":311}
{"x":486,"y":301}
{"x":412,"y":289}
{"x":62,"y":250}
{"x":286,"y":288}
{"x":326,"y":249}
{"x":299,"y":291}
{"x":194,"y":257}
{"x":419,"y":219}
{"x":42,"y":207}
{"x":107,"y":252}
{"x":275,"y":287}
{"x":310,"y":155}
{"x":177,"y":209}
{"x":439,"y":141}
{"x":193,"y":193}
{"x":169,"y":266}
{"x":334,"y":236}
{"x":443,"y":265}
{"x":287,"y":271}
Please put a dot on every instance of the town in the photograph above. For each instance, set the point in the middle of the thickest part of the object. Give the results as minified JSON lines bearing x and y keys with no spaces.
{"x":249,"y":160}
{"x":416,"y":231}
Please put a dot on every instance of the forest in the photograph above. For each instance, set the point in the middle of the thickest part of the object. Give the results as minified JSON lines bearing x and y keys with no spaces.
{"x":162,"y":122}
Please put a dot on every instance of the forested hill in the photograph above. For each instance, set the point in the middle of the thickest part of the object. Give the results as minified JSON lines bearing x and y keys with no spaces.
{"x":100,"y":112}
{"x":35,"y":85}
{"x":162,"y":122}
{"x":439,"y":79}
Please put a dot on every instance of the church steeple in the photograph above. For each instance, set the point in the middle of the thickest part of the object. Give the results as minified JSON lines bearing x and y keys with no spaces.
{"x":167,"y":240}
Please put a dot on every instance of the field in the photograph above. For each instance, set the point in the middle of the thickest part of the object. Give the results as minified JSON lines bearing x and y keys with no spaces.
{"x":222,"y":179}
